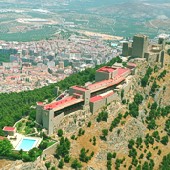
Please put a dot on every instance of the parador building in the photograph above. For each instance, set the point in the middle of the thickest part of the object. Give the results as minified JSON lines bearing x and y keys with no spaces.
{"x":93,"y":96}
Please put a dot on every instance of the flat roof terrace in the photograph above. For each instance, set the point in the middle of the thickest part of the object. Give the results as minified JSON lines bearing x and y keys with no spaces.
{"x":61,"y":104}
{"x":107,"y":83}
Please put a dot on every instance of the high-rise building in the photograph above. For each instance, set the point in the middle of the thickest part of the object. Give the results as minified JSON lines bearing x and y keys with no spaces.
{"x":140,"y":45}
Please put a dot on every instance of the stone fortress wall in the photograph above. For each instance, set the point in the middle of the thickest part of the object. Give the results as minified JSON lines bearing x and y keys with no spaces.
{"x":92,"y":97}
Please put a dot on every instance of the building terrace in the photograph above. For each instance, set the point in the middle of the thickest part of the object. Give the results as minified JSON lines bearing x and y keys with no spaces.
{"x":93,"y":96}
{"x":61,"y":104}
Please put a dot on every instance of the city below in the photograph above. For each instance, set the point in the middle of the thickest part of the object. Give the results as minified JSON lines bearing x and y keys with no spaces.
{"x":39,"y":63}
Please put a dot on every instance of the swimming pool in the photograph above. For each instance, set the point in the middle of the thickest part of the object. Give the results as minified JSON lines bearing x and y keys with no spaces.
{"x":26,"y":144}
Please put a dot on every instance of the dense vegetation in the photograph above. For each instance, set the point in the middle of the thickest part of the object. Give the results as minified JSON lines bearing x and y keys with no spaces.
{"x":103,"y":115}
{"x":63,"y":148}
{"x":165,"y":164}
{"x":134,"y":106}
{"x":145,"y":79}
{"x":83,"y":155}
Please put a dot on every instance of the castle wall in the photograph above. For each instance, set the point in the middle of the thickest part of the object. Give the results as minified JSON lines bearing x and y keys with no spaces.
{"x":86,"y":94}
{"x":165,"y":61}
{"x":130,"y":51}
{"x":102,"y":91}
{"x":102,"y":76}
{"x":58,"y":119}
{"x":39,"y":112}
{"x":111,"y":98}
{"x":114,"y":74}
{"x":94,"y":107}
{"x":47,"y":120}
{"x":133,"y":71}
{"x":50,"y":150}
{"x":125,"y":51}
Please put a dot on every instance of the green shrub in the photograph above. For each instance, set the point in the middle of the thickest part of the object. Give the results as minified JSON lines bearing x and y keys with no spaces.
{"x":60,"y":133}
{"x":61,"y":164}
{"x":89,"y":124}
{"x":76,"y":164}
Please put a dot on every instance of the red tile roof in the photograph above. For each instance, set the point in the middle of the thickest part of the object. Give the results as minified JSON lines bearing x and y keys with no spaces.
{"x":120,"y":71}
{"x":79,"y":88}
{"x":107,"y":83}
{"x":40,"y":103}
{"x":101,"y":96}
{"x":131,"y":64}
{"x":106,"y":69}
{"x":104,"y":84}
{"x":68,"y":101}
{"x":95,"y":98}
{"x":8,"y":128}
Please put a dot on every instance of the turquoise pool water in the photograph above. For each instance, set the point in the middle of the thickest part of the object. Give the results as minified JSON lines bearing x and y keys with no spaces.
{"x":26,"y":144}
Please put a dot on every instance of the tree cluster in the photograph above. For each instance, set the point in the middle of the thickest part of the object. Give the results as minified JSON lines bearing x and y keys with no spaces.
{"x":162,"y":75}
{"x":63,"y":148}
{"x":102,"y":116}
{"x":83,"y":155}
{"x":60,"y":133}
{"x":76,"y":164}
{"x":109,"y":159}
{"x":104,"y":134}
{"x":81,"y":132}
{"x":134,"y":106}
{"x":154,"y":88}
{"x":145,"y":79}
{"x":115,"y":122}
{"x":167,"y":127}
{"x":165,"y":164}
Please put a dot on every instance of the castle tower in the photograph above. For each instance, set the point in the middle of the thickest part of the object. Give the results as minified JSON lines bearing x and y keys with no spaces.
{"x":127,"y":49}
{"x":140,"y":45}
{"x":162,"y":41}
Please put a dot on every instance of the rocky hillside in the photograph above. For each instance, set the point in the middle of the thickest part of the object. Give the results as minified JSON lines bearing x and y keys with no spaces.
{"x":132,"y":133}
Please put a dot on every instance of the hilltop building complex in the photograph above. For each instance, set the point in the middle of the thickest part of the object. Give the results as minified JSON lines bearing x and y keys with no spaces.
{"x":142,"y":48}
{"x":109,"y":81}
{"x":93,"y":96}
